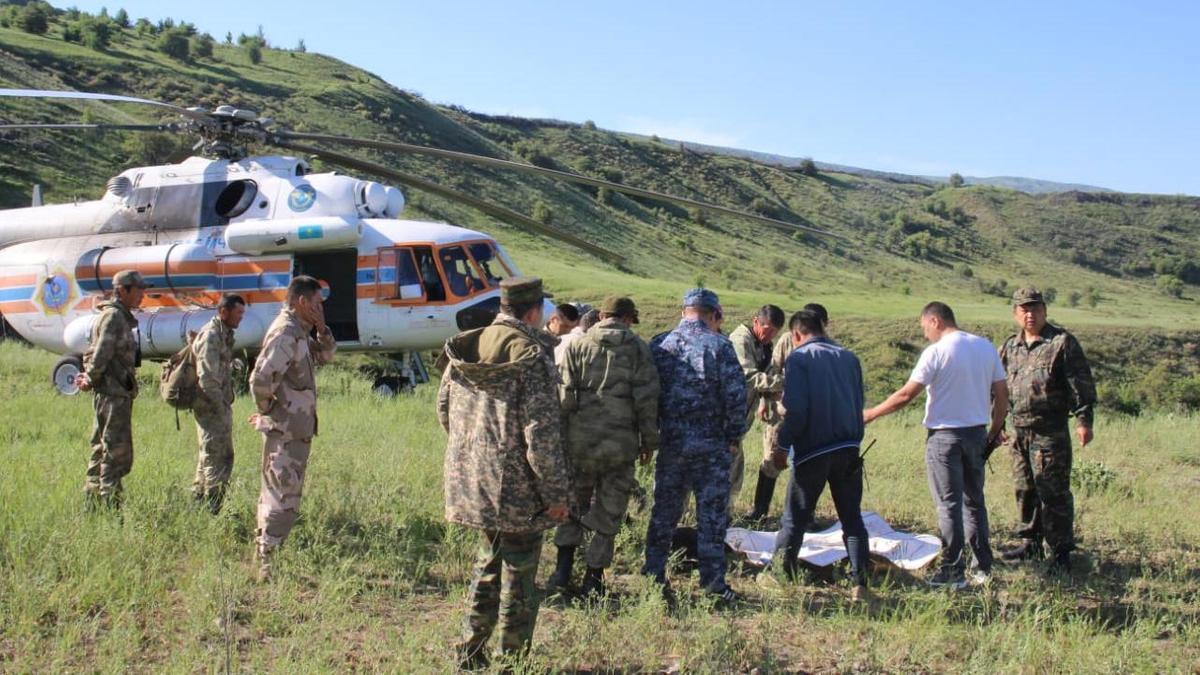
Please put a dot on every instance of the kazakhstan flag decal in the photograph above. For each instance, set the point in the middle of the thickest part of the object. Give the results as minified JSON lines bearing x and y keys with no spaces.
{"x":311,"y":232}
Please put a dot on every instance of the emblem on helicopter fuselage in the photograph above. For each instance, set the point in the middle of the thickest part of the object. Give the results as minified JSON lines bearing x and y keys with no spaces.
{"x":302,"y":198}
{"x":56,"y":293}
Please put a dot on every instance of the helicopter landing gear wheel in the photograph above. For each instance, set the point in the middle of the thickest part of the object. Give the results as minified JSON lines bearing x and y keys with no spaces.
{"x":389,"y":386}
{"x":62,"y":376}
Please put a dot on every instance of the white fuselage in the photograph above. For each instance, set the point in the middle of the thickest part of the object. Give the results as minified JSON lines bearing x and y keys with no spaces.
{"x":202,"y":228}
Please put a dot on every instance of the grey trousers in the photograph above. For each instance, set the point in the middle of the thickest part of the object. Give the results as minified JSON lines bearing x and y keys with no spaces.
{"x":954,"y":464}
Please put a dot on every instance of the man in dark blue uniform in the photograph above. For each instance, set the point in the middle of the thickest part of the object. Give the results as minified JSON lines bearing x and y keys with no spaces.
{"x":702,"y":418}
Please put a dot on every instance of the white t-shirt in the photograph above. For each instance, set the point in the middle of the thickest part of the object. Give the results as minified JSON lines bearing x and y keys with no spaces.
{"x":958,"y":372}
{"x":560,"y":350}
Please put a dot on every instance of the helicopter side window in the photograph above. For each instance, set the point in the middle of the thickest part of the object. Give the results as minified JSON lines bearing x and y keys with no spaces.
{"x":235,"y":198}
{"x":493,"y":268}
{"x":460,"y":273}
{"x":408,"y":281}
{"x":427,"y":269}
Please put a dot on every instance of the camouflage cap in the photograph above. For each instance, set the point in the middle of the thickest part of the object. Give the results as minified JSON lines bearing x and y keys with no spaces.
{"x":1027,"y":296}
{"x":522,"y":291}
{"x":620,"y":306}
{"x":701,"y":297}
{"x":130,"y":278}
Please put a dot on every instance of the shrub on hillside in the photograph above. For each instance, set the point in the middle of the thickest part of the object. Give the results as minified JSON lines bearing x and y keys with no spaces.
{"x":808,"y":167}
{"x":174,"y":44}
{"x":202,"y":46}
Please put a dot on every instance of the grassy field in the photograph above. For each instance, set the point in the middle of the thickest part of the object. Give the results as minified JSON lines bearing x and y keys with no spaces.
{"x":373,"y":579}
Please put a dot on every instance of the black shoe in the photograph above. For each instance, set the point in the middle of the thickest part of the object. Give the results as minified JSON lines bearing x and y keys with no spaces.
{"x":1030,"y":550}
{"x":726,"y":597}
{"x":1062,"y":563}
{"x":948,"y":578}
{"x":763,"y":492}
{"x":593,"y":583}
{"x":560,"y":580}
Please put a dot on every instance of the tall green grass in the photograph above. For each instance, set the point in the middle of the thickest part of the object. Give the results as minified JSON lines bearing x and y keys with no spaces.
{"x":372,"y":578}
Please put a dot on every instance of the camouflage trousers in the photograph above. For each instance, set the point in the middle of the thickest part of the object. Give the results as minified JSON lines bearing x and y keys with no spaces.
{"x":601,"y":499}
{"x":283,"y":467}
{"x":112,"y":447}
{"x":214,"y":429}
{"x":503,"y":590}
{"x":770,"y":434}
{"x":1042,"y":476}
{"x":674,"y":476}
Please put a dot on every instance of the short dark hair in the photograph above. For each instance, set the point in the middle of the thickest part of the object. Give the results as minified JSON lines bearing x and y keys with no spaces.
{"x":940,"y":310}
{"x":567,"y":311}
{"x":302,"y":286}
{"x":807,"y":322}
{"x":520,"y":309}
{"x":230,"y":300}
{"x":771,"y":314}
{"x":589,"y":319}
{"x":819,"y":310}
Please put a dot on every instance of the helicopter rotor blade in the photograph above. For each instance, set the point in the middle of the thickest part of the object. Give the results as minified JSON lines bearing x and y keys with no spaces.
{"x":90,"y":127}
{"x":408,"y":148}
{"x":495,"y":210}
{"x":87,"y":96}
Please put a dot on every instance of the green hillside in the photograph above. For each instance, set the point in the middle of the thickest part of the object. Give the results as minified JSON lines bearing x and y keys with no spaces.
{"x":1117,"y":262}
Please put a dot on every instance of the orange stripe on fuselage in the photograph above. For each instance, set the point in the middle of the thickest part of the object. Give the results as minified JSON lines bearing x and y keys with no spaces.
{"x":18,"y":307}
{"x":18,"y":280}
{"x":254,"y":267}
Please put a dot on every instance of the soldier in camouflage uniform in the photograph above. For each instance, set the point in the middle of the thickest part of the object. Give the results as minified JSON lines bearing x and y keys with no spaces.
{"x":1048,"y":379}
{"x":505,"y":473}
{"x":110,"y":372}
{"x":284,"y":386}
{"x":610,"y":402}
{"x":702,"y":417}
{"x":752,"y":344}
{"x":771,"y":412}
{"x":212,"y":350}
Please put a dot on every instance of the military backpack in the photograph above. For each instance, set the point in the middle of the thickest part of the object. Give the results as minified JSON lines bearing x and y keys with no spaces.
{"x":179,"y":384}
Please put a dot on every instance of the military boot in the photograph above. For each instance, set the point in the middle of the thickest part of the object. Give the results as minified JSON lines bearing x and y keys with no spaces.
{"x":560,"y":580}
{"x":593,"y":583}
{"x":763,"y":492}
{"x":1062,"y":563}
{"x":1031,"y":549}
{"x":215,"y":499}
{"x":264,"y":555}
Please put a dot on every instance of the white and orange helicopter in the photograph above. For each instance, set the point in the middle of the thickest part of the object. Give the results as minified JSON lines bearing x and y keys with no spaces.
{"x":235,"y":223}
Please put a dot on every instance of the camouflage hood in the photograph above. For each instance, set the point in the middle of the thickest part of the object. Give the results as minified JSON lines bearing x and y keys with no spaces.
{"x":491,"y":358}
{"x":612,"y":333}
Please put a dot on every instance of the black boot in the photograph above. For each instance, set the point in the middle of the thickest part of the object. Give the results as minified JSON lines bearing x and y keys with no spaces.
{"x":1031,"y":549}
{"x":1062,"y":563}
{"x":764,"y":491}
{"x":593,"y":583}
{"x":560,"y":580}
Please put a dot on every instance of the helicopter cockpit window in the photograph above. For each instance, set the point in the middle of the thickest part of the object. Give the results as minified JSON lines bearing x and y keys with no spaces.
{"x":493,"y":268}
{"x":408,"y":280}
{"x":460,"y":273}
{"x":235,"y":198}
{"x":427,"y":269}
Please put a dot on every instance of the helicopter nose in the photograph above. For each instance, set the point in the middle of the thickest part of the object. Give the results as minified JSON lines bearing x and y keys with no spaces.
{"x":478,"y":315}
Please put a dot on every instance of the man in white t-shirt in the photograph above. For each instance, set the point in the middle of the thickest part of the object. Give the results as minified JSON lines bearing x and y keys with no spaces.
{"x":966,"y":391}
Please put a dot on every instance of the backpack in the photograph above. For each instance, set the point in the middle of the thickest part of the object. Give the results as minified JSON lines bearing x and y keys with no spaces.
{"x":179,"y":385}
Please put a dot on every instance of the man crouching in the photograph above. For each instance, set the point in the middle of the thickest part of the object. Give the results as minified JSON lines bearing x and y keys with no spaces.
{"x":505,"y":474}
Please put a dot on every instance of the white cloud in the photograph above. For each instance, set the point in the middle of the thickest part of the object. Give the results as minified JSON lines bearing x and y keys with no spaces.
{"x":686,"y":129}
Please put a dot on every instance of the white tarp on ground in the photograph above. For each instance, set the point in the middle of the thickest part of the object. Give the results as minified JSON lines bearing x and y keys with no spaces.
{"x":904,"y":550}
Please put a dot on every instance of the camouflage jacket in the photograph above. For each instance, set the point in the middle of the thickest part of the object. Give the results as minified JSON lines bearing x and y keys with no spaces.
{"x":783,"y":348}
{"x":755,"y":359}
{"x":702,"y":404}
{"x":1049,"y":379}
{"x":284,"y":380}
{"x":498,"y":402}
{"x":609,"y":397}
{"x":111,"y":358}
{"x":213,"y":351}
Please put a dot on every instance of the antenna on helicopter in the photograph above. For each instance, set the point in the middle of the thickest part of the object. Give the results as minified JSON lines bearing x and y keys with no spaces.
{"x":37,"y":196}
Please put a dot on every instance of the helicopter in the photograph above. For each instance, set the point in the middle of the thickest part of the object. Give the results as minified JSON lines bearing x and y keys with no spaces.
{"x":228,"y":221}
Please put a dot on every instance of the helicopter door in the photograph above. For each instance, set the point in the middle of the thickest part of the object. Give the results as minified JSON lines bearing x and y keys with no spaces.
{"x":339,"y":269}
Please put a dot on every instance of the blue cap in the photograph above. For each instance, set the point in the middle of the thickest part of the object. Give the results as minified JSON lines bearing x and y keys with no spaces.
{"x":701,"y":297}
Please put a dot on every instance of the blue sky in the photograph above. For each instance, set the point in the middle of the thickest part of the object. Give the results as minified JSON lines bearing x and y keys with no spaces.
{"x":1105,"y":93}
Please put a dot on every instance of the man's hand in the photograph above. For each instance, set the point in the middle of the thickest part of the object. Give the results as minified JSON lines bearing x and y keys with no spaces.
{"x":867,"y":416}
{"x":779,"y":458}
{"x":735,"y":448}
{"x":83,"y":382}
{"x":558,"y":512}
{"x":763,"y":408}
{"x":1084,"y":433}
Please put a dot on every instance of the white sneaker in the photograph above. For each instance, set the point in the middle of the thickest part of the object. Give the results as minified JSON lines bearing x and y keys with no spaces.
{"x":979,"y":578}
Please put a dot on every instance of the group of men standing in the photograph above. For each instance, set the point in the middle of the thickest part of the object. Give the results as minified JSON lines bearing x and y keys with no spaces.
{"x":283,"y":384}
{"x":536,"y":442}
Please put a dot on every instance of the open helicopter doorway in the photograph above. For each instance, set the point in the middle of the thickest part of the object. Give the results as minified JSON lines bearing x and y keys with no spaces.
{"x":339,"y":269}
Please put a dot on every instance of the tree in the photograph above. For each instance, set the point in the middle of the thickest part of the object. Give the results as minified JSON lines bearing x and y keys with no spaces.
{"x":174,"y":44}
{"x":808,"y":167}
{"x":97,"y":34}
{"x":589,"y":125}
{"x":1073,"y":298}
{"x":1050,"y":294}
{"x":144,"y":27}
{"x":228,"y":37}
{"x":956,"y":180}
{"x":73,"y":32}
{"x":1169,"y":285}
{"x":542,"y":212}
{"x":34,"y":18}
{"x":301,"y":47}
{"x":254,"y":52}
{"x":202,"y":47}
{"x":121,"y":18}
